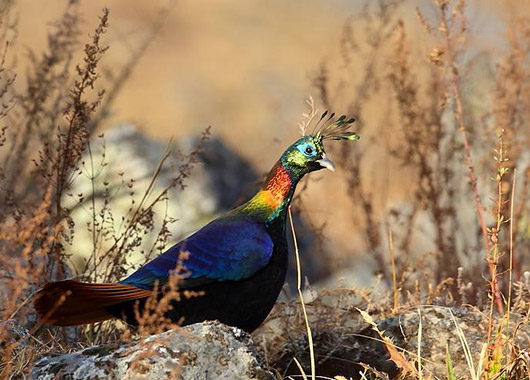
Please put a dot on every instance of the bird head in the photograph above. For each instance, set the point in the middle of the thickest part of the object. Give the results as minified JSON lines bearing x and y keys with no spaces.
{"x":307,"y":154}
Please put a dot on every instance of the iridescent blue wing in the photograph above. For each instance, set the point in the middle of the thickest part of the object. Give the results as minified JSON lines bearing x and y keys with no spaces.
{"x":229,"y":248}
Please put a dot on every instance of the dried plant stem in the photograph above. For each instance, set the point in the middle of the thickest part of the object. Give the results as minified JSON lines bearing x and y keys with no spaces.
{"x":420,"y":372}
{"x":510,"y":268}
{"x":300,"y":368}
{"x":459,"y":118}
{"x":394,"y":274}
{"x":469,"y":162}
{"x":94,"y":216}
{"x":510,"y":265}
{"x":465,"y":347}
{"x":299,"y":289}
{"x":496,"y":252}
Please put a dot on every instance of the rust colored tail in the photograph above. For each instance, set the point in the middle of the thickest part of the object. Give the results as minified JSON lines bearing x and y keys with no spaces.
{"x":70,"y":303}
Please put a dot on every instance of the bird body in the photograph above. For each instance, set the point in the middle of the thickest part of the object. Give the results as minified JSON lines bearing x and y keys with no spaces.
{"x":237,"y":262}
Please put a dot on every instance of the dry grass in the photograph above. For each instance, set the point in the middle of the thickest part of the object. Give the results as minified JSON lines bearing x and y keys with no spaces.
{"x":448,"y":152}
{"x":45,"y":132}
{"x":460,"y":159}
{"x":459,"y":150}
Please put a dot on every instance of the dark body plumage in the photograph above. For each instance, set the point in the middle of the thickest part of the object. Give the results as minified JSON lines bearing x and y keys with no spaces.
{"x":239,"y":261}
{"x":243,"y":303}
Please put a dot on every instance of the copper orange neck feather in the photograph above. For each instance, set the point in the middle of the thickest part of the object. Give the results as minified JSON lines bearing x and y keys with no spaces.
{"x":274,"y":195}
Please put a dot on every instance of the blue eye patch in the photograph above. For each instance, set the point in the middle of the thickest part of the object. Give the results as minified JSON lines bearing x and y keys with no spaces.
{"x":308,"y":150}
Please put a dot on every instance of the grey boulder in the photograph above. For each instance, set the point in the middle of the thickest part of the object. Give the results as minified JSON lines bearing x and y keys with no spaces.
{"x":208,"y":350}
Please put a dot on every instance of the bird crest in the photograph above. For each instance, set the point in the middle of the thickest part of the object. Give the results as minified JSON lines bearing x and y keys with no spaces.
{"x":330,"y":128}
{"x":327,"y":127}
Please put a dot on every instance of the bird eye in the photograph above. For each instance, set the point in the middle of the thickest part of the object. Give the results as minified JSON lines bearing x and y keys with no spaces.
{"x":307,"y":150}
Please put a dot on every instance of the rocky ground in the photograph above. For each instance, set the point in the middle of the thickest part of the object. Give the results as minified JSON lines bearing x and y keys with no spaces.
{"x":211,"y":350}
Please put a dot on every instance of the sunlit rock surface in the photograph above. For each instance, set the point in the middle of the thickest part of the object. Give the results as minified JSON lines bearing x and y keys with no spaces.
{"x":207,"y":350}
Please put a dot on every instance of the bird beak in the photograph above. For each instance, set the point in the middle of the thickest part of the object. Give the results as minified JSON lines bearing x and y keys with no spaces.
{"x":326,"y":163}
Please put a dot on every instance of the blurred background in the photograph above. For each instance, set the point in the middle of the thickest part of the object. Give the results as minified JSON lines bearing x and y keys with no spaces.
{"x":247,"y":68}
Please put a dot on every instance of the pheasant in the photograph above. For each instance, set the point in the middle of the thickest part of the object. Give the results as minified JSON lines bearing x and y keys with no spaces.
{"x":237,"y":262}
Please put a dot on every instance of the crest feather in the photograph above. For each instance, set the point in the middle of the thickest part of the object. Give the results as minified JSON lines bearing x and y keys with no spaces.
{"x":331,"y":129}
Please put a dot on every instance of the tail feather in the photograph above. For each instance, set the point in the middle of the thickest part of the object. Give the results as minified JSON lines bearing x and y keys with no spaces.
{"x":70,"y":303}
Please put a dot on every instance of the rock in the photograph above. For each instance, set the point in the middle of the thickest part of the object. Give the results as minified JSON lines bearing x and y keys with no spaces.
{"x":215,"y":184}
{"x":207,"y":350}
{"x":343,"y":340}
{"x":443,"y":331}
